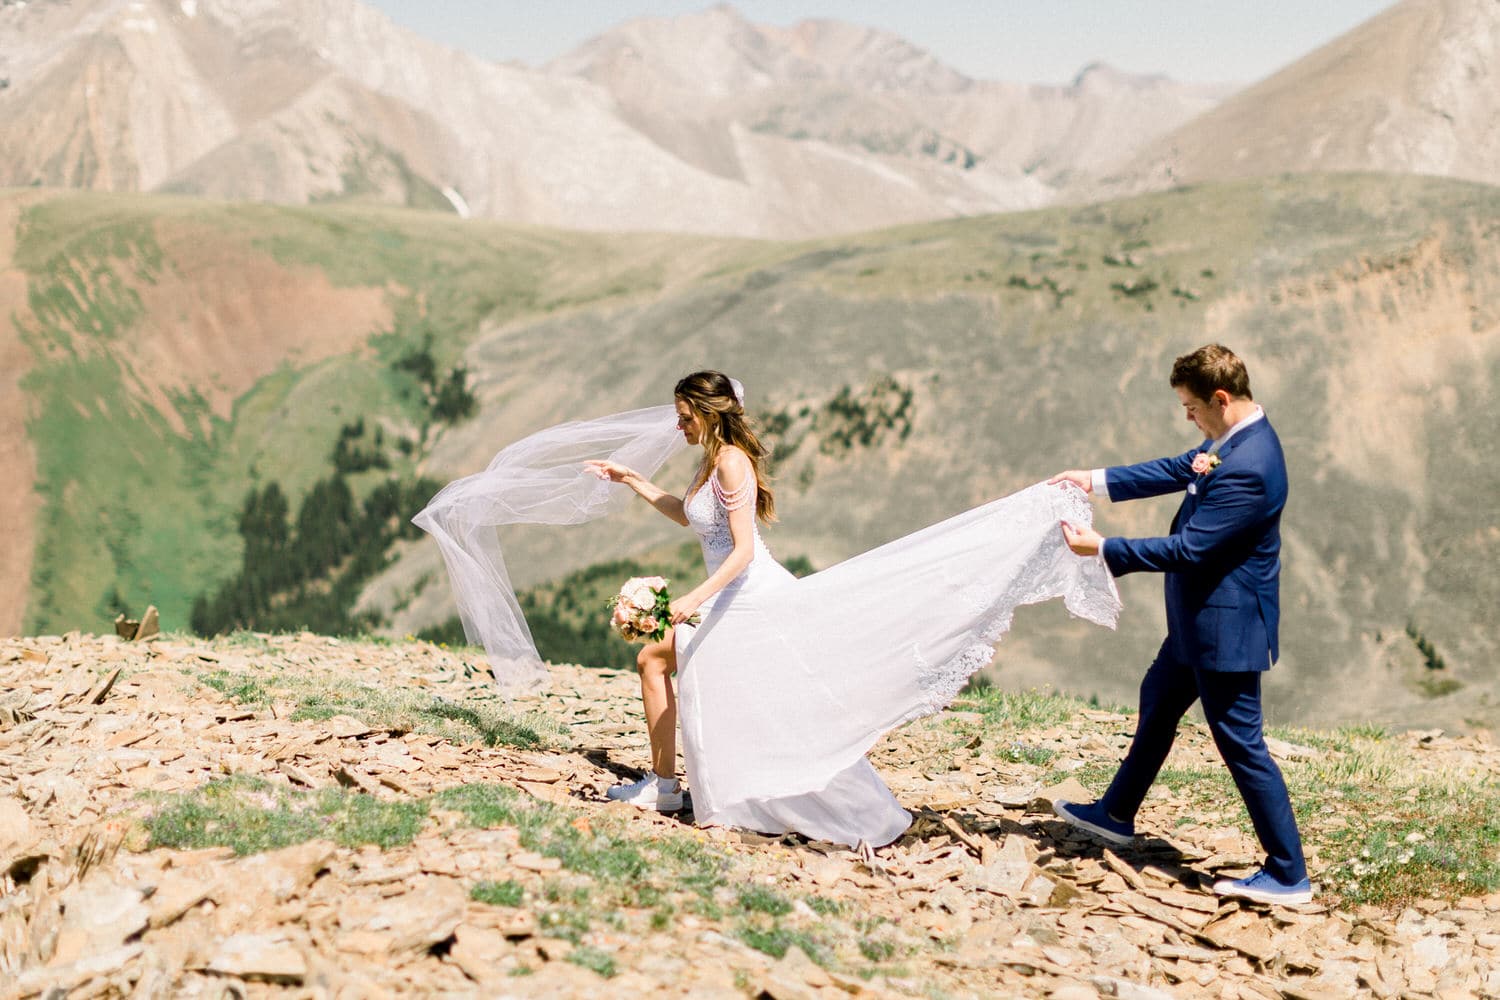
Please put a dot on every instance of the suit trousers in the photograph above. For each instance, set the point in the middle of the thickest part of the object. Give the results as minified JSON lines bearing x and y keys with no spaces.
{"x":1231,"y":704}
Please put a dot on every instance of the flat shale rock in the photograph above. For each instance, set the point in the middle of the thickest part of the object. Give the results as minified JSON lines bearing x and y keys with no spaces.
{"x":98,"y":915}
{"x":264,"y":957}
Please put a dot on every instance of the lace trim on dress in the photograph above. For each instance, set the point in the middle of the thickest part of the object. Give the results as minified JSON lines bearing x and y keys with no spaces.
{"x":708,"y":513}
{"x":995,"y":607}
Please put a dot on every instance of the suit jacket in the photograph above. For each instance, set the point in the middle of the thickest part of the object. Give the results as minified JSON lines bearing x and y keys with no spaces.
{"x":1222,"y":559}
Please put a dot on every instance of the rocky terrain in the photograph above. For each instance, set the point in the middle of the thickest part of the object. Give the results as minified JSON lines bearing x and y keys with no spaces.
{"x":300,"y":816}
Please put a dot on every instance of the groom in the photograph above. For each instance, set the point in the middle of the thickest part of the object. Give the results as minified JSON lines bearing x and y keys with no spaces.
{"x":1222,"y":568}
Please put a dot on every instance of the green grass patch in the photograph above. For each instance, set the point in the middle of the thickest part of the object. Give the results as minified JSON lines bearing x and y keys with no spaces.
{"x":251,"y":815}
{"x":633,"y":870}
{"x":548,"y":830}
{"x":777,"y":938}
{"x":498,"y":893}
{"x":1346,"y":739}
{"x":1095,"y":775}
{"x":242,"y":688}
{"x":1388,"y":833}
{"x":569,"y":922}
{"x":1017,"y":710}
{"x":1437,"y":843}
{"x":319,"y":697}
{"x":492,"y":729}
{"x":1021,"y":753}
{"x":759,"y":899}
{"x":1212,"y":781}
{"x":594,"y":960}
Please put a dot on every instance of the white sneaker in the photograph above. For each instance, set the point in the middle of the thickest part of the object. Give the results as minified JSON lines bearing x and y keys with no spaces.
{"x":657,"y":794}
{"x":629,"y":788}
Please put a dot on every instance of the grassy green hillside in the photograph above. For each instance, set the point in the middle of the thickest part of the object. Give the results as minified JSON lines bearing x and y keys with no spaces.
{"x":142,"y":483}
{"x":905,"y":375}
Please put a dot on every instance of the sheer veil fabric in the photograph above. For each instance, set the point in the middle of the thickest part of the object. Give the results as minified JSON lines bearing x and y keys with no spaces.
{"x":537,"y":480}
{"x":787,"y":683}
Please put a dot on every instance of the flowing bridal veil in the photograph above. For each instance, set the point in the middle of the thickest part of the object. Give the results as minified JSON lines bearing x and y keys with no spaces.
{"x":537,"y":480}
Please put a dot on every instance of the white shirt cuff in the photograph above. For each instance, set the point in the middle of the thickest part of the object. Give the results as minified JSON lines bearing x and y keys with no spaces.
{"x":1101,"y":485}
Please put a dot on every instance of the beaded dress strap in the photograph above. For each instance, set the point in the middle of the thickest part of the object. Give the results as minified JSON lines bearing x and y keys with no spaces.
{"x":733,"y":499}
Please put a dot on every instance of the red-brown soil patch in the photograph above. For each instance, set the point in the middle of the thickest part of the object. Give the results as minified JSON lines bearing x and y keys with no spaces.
{"x":223,"y":314}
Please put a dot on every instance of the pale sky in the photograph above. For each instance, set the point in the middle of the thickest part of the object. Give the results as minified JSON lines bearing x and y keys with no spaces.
{"x":1025,"y":41}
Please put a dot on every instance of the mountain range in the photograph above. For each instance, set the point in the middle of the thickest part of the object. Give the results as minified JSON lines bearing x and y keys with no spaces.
{"x":706,"y":122}
{"x":703,"y":123}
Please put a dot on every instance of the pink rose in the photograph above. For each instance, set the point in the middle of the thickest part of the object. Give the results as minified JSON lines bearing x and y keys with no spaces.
{"x":1204,"y":462}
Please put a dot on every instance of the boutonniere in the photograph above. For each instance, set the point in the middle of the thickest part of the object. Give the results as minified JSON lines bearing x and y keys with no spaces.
{"x":1205,"y":462}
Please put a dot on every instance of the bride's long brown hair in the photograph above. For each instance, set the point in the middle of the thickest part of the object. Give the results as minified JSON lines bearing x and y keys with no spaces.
{"x":711,"y":396}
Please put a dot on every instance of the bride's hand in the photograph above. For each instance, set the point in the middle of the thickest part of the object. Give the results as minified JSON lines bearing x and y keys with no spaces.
{"x":610,"y":471}
{"x":685,"y":609}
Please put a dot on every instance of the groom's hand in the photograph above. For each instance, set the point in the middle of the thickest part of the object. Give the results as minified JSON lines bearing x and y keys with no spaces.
{"x":1081,"y":478}
{"x":1083,"y":541}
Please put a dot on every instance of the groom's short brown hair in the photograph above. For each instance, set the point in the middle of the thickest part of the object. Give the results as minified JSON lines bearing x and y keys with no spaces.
{"x":1209,"y":369}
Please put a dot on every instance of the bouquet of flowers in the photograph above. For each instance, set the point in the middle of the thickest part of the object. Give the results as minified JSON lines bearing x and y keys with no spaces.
{"x":643,"y":610}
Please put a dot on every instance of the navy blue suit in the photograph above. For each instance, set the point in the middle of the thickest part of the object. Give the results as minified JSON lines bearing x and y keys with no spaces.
{"x":1222,"y":565}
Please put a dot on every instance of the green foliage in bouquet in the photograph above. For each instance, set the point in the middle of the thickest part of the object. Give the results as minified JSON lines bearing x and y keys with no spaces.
{"x":640,"y":625}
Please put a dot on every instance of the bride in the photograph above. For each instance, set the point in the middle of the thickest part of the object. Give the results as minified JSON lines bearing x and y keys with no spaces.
{"x":785,"y":684}
{"x":727,"y":496}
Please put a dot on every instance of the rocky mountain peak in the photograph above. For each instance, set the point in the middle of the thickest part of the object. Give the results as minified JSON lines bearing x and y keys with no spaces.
{"x":719,"y":52}
{"x":1415,"y":89}
{"x":869,"y":57}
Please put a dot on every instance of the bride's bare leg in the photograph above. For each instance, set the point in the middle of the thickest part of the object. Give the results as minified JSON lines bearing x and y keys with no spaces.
{"x":656,"y":663}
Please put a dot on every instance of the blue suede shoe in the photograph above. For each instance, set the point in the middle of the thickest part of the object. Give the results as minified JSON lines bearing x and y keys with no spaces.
{"x":1094,"y":818}
{"x":1262,"y":888}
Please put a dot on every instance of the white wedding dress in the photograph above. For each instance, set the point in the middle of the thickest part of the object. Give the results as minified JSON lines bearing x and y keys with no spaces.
{"x":787,"y":683}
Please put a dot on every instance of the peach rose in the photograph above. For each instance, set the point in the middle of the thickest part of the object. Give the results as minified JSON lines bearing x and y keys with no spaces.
{"x":638,"y":595}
